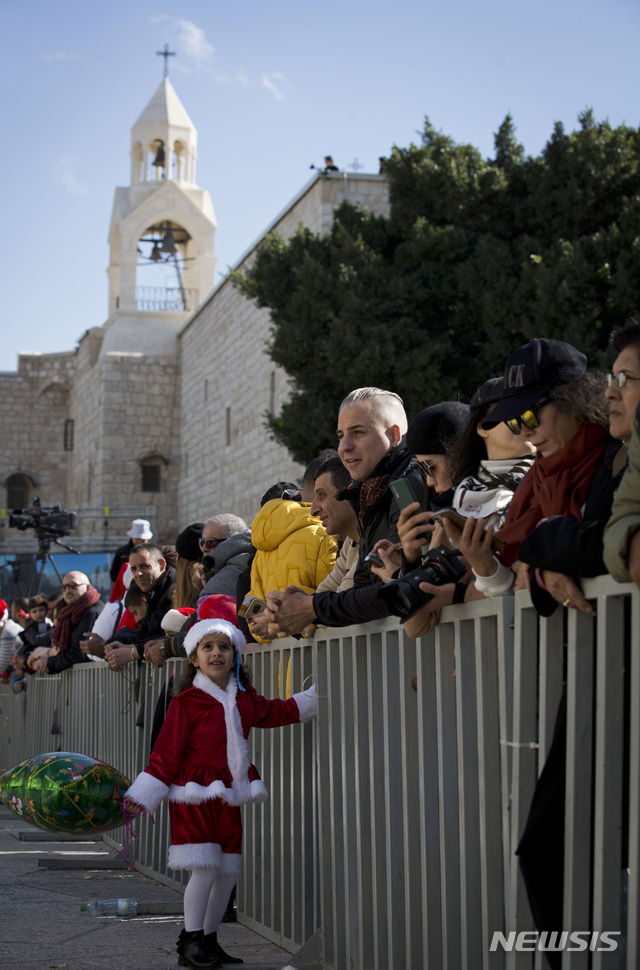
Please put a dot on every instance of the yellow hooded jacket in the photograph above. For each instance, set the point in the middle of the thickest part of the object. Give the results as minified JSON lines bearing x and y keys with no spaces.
{"x":292,"y":548}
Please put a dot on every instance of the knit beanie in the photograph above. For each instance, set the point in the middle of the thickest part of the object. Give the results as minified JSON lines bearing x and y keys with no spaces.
{"x":433,"y":430}
{"x":188,"y":542}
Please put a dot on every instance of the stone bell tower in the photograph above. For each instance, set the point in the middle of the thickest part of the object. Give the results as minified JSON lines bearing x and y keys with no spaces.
{"x":126,"y":391}
{"x":162,"y":233}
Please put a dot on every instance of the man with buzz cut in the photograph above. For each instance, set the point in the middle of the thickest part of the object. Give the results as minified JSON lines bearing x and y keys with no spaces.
{"x":155,"y":578}
{"x":371,"y":426}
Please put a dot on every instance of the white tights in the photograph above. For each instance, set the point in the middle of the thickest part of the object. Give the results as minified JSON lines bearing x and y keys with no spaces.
{"x":206,"y":898}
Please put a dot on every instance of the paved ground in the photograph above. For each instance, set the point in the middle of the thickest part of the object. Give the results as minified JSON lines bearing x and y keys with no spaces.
{"x":41,"y":925}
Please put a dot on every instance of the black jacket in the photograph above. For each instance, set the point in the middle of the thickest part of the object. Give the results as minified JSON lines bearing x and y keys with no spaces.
{"x":565,"y":545}
{"x":158,"y":603}
{"x":73,"y":654}
{"x":360,"y":604}
{"x":120,"y":556}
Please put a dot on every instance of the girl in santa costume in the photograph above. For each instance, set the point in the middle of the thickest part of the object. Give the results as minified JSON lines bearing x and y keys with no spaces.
{"x":201,"y":762}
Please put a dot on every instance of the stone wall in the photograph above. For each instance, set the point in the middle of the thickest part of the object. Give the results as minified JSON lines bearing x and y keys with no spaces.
{"x":229,"y":382}
{"x":198,"y":403}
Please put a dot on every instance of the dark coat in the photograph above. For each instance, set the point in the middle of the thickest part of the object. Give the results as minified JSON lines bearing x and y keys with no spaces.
{"x":565,"y":545}
{"x":158,"y":603}
{"x":361,"y":604}
{"x":229,"y":561}
{"x":73,"y":654}
{"x":121,"y":556}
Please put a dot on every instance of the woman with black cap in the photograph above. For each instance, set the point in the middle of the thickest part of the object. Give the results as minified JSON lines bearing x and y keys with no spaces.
{"x":556,"y":520}
{"x":555,"y":525}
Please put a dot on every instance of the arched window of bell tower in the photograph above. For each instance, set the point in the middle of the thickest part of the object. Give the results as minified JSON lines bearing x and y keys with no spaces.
{"x":157,"y":160}
{"x":162,"y":270}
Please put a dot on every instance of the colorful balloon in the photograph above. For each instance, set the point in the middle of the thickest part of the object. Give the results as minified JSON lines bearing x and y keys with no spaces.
{"x":65,"y":792}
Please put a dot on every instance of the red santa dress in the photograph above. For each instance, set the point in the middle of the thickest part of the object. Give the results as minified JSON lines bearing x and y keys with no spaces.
{"x":201,"y":761}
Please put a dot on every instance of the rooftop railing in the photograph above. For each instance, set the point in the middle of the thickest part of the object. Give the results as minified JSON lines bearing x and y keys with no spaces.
{"x":155,"y":299}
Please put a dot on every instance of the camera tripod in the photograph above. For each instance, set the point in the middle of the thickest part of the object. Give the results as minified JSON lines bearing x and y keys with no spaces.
{"x":39,"y":565}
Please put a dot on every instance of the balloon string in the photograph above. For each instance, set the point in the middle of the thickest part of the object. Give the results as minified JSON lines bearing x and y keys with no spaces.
{"x":130,"y":833}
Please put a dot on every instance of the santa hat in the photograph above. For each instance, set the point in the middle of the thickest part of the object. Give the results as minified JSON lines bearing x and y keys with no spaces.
{"x":174,"y":620}
{"x":122,"y":583}
{"x":4,"y":611}
{"x":218,"y":606}
{"x":203,"y":628}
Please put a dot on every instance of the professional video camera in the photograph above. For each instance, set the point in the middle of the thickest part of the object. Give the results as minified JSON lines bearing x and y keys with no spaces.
{"x":404,"y":596}
{"x":48,"y":523}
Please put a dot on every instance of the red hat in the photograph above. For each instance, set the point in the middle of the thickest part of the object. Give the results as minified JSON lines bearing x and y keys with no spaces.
{"x":218,"y":606}
{"x":4,"y":611}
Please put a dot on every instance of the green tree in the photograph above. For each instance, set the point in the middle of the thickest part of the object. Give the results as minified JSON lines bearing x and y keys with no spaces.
{"x":477,"y":256}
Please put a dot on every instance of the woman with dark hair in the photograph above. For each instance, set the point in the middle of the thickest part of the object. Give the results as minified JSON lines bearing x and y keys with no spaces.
{"x":556,"y":520}
{"x":487,"y":464}
{"x":555,"y":526}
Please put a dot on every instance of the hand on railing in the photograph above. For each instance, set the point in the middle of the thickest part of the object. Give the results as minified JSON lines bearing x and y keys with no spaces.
{"x":93,"y":643}
{"x":291,"y":611}
{"x":152,"y":652}
{"x":565,"y":590}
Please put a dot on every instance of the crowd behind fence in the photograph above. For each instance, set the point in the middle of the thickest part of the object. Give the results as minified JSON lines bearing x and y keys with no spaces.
{"x":388,"y":839}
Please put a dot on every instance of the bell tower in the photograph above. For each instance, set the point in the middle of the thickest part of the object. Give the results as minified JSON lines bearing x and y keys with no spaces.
{"x":162,"y":231}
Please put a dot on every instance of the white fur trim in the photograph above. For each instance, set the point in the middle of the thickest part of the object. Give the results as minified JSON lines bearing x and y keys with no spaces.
{"x":147,"y":790}
{"x":307,"y":704}
{"x":204,"y":627}
{"x":173,"y":621}
{"x":237,"y":746}
{"x":198,"y":855}
{"x":194,"y":794}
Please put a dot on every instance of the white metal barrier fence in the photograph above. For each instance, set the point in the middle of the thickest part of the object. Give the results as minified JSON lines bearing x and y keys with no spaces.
{"x":389,"y":837}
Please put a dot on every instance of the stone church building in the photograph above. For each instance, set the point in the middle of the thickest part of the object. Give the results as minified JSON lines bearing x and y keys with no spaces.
{"x":159,"y":411}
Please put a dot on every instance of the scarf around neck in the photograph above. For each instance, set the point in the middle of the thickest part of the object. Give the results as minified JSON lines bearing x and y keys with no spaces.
{"x":556,"y":485}
{"x":69,"y":616}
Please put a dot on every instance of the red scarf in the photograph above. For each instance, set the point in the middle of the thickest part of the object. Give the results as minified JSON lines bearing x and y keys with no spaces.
{"x":69,"y":616}
{"x":556,"y":485}
{"x":370,"y":491}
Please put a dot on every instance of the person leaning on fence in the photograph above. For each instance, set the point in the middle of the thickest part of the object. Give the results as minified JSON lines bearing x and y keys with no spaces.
{"x":152,"y":575}
{"x":292,"y":549}
{"x":371,"y":426}
{"x":75,"y":620}
{"x":555,"y":525}
{"x":201,"y":763}
{"x":486,"y":467}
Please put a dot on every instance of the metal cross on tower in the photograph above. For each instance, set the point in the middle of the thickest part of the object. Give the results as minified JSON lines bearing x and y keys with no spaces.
{"x":166,"y":53}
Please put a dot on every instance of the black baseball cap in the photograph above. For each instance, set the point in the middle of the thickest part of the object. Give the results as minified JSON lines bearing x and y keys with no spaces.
{"x":532,"y":370}
{"x":488,"y":393}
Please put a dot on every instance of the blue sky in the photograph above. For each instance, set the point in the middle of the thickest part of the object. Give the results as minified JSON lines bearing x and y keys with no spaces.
{"x":272,"y":86}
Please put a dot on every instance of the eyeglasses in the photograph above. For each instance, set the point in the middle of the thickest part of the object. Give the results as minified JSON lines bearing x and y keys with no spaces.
{"x":529,"y":419}
{"x":620,"y":379}
{"x":427,"y":468}
{"x":209,"y":543}
{"x":71,"y":586}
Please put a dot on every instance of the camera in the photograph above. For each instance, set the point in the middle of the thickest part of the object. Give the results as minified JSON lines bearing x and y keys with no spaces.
{"x":404,"y":597}
{"x":47,"y":522}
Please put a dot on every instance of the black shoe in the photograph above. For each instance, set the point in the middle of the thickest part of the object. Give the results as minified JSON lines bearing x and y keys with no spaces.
{"x":191,"y":951}
{"x":213,"y":948}
{"x":230,"y":912}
